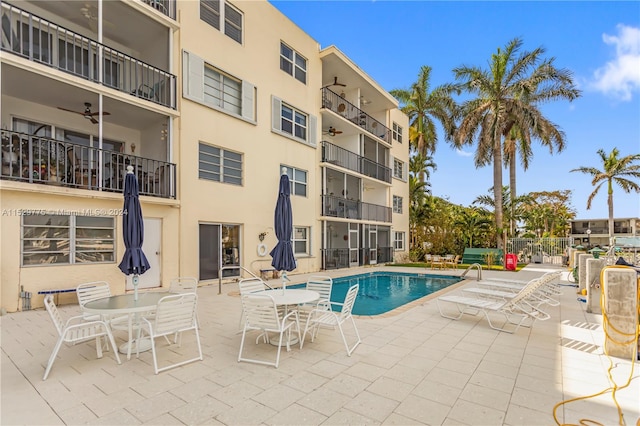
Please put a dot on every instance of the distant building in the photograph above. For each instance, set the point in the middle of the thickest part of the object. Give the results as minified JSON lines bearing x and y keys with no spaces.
{"x":599,"y":230}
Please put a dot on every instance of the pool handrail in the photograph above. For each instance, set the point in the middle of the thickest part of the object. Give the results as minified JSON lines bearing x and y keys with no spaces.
{"x":478,"y":267}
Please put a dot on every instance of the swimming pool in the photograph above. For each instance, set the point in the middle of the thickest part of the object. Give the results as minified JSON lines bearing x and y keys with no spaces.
{"x":381,"y":292}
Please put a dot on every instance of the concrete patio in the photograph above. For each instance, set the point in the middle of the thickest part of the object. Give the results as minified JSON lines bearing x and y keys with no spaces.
{"x":413,"y":367}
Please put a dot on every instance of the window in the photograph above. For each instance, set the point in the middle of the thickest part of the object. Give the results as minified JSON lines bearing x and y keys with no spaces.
{"x":210,"y":13}
{"x":233,"y":22}
{"x":298,"y":180}
{"x":210,"y":86}
{"x":222,"y":91}
{"x":292,"y":122}
{"x":397,"y":204}
{"x":397,"y":133}
{"x":219,"y":165}
{"x":301,"y":240}
{"x":292,"y":63}
{"x":67,"y":239}
{"x":398,"y":169}
{"x":398,"y":241}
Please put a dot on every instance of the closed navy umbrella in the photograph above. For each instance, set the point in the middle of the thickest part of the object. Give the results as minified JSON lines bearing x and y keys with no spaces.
{"x":282,"y":253}
{"x":134,"y":261}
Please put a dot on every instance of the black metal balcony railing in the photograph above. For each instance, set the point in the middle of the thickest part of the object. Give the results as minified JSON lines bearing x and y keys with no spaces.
{"x":166,"y":7}
{"x":334,"y":102}
{"x":41,"y":41}
{"x":353,"y":209}
{"x":35,"y":159}
{"x":344,"y":158}
{"x":339,"y":258}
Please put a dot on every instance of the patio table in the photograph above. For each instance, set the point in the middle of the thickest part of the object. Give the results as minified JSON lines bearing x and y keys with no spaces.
{"x":125,"y":304}
{"x":289,"y":297}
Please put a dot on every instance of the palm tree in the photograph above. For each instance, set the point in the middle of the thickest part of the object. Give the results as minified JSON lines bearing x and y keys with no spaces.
{"x":420,"y":164}
{"x":503,"y":97}
{"x":472,"y":222}
{"x":422,"y":106}
{"x":614,"y":170}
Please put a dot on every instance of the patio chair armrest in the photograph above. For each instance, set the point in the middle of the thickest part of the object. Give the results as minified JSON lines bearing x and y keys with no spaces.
{"x":323,"y":302}
{"x":291,"y":313}
{"x":84,"y":324}
{"x":79,"y":319}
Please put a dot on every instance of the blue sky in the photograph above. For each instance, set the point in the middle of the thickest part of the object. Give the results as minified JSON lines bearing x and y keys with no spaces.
{"x":599,"y":42}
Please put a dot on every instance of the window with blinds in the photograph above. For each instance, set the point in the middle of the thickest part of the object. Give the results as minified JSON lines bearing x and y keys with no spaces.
{"x":219,"y":165}
{"x":213,"y":14}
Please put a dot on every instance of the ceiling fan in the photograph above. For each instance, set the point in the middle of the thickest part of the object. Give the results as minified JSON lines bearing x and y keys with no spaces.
{"x":87,"y":112}
{"x":332,"y":131}
{"x":335,"y":83}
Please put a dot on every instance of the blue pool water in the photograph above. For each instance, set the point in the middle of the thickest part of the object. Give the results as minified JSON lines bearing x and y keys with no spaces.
{"x":381,"y":292}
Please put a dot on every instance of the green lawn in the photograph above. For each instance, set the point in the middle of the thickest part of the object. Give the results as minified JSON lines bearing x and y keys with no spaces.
{"x":462,"y":266}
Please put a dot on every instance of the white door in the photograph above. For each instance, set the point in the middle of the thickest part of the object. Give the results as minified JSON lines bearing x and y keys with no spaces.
{"x":373,"y":245}
{"x":353,"y":245}
{"x":151,"y":246}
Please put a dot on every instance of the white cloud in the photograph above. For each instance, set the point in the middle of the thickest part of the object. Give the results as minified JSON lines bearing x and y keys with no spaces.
{"x":463,"y":153}
{"x":620,"y":77}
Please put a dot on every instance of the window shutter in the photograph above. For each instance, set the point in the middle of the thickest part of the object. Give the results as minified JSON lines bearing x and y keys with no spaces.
{"x":276,"y":113}
{"x":312,"y":131}
{"x":193,"y":77}
{"x":248,"y":101}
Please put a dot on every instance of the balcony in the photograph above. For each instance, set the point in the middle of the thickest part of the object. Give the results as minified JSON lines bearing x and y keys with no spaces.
{"x":38,"y":40}
{"x":333,"y":102}
{"x":33,"y":159}
{"x":166,"y":7}
{"x":344,"y":158}
{"x":339,"y":258}
{"x":351,"y":209}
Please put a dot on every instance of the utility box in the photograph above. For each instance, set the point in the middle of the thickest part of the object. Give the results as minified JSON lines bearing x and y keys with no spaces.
{"x":594,"y":267}
{"x":582,"y":270}
{"x":620,"y":311}
{"x":511,"y":262}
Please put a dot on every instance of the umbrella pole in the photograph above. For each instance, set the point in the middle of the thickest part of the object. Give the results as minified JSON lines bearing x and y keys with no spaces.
{"x":135,"y":287}
{"x":284,"y":281}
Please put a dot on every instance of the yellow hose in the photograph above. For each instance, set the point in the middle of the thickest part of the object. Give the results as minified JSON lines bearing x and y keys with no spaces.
{"x":615,"y":387}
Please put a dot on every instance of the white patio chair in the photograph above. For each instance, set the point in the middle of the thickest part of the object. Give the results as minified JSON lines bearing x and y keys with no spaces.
{"x":71,"y":333}
{"x":327,"y":318}
{"x":516,"y":310}
{"x":86,"y":292}
{"x":174,"y":315}
{"x":261,"y":314}
{"x":181,"y":285}
{"x":322,"y":285}
{"x":247,"y":286}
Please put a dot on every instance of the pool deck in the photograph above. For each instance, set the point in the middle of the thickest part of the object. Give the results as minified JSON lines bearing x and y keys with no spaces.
{"x":413,"y":367}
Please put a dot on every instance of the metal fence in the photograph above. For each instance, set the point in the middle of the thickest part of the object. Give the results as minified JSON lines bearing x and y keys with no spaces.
{"x":540,"y":250}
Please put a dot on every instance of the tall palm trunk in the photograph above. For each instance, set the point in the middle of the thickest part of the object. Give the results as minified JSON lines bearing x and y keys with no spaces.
{"x":610,"y":204}
{"x":497,"y":189}
{"x":512,"y":189}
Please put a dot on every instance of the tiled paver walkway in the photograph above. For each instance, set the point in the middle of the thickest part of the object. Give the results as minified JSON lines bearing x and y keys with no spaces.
{"x":413,"y":367}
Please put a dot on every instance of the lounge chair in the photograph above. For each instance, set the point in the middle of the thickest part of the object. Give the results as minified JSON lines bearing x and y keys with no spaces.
{"x":516,"y":310}
{"x":544,"y":295}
